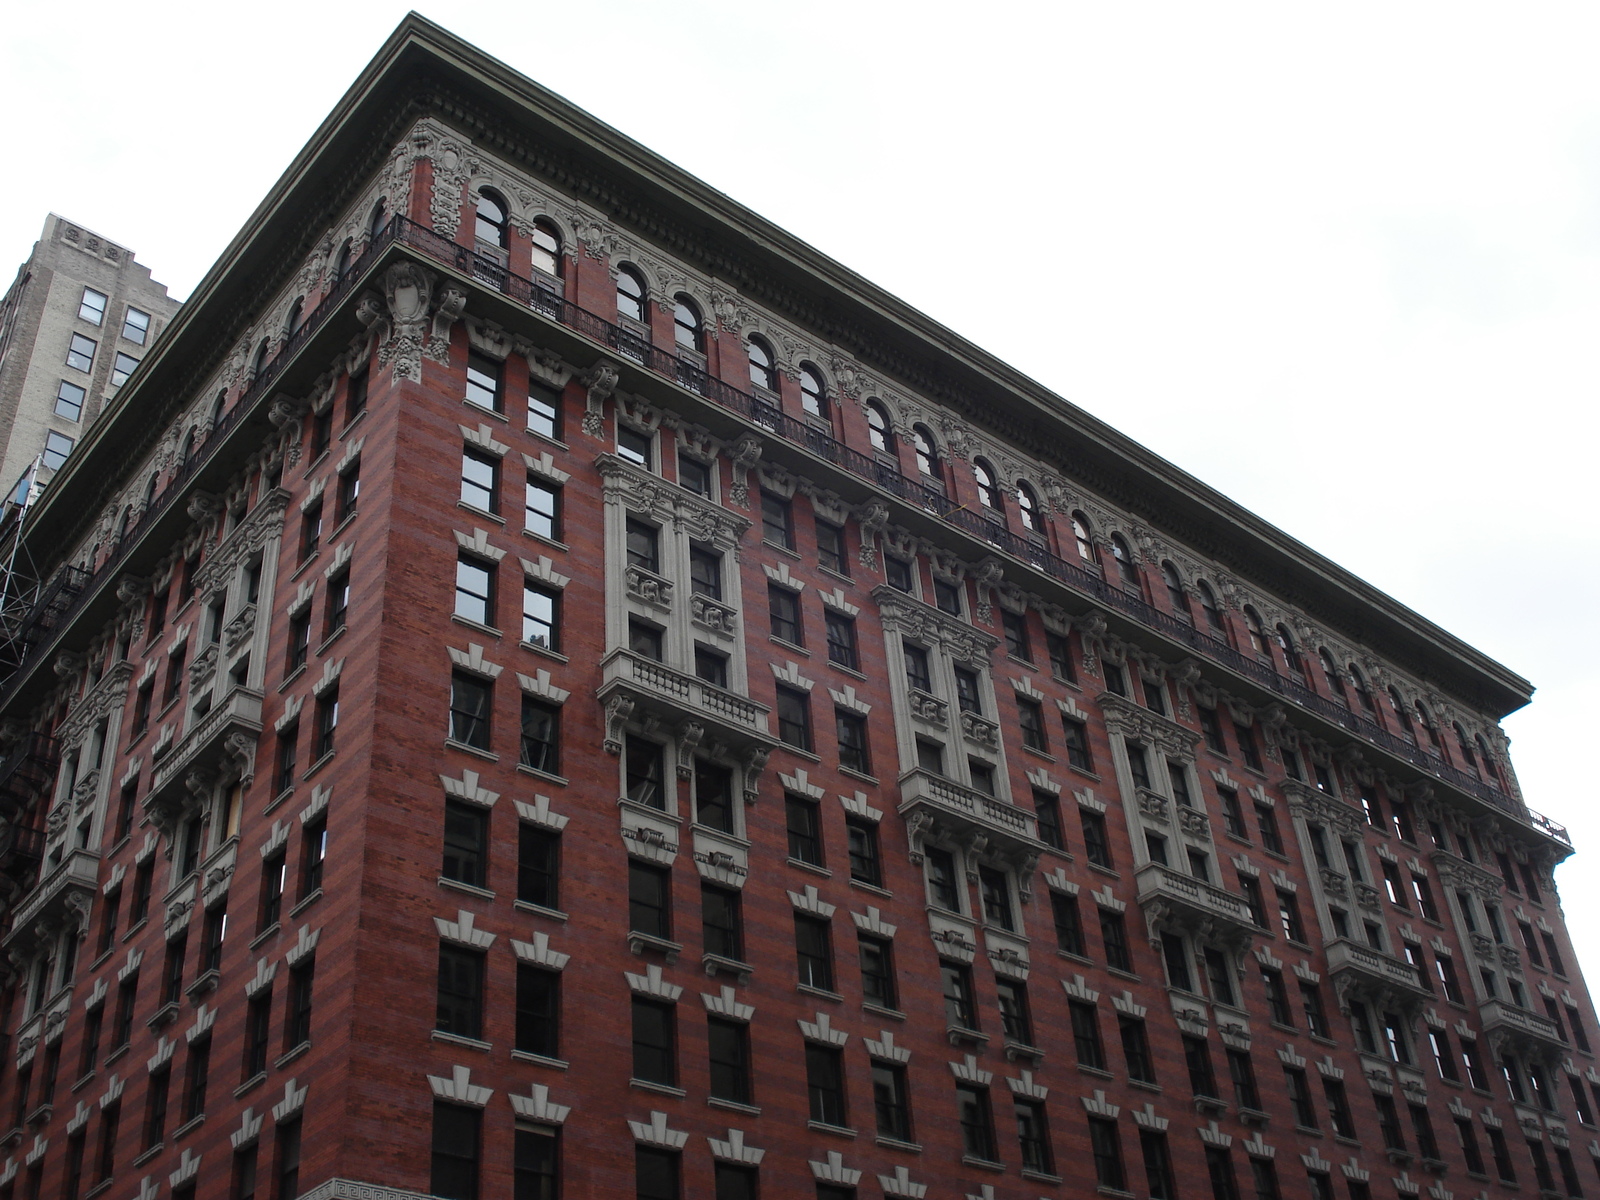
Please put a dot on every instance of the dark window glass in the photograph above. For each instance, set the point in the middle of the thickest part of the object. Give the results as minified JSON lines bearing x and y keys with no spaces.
{"x":1069,"y":925}
{"x":1158,"y":1165}
{"x":960,"y":1004}
{"x":654,"y":1057}
{"x":851,"y":731}
{"x":783,"y":607}
{"x":535,"y":1163}
{"x":538,"y":866}
{"x":794,"y":718}
{"x":865,"y":866}
{"x":977,"y":1122}
{"x":1076,"y":735}
{"x":842,"y":649}
{"x":457,"y":1135}
{"x":1136,"y":1049}
{"x":466,"y":835}
{"x":1096,"y":846}
{"x":1086,"y":1035}
{"x":943,"y":887}
{"x":777,"y":520}
{"x":1030,"y":720}
{"x":832,"y":552}
{"x":1015,"y":626}
{"x":470,"y":700}
{"x":538,"y":1011}
{"x":728,"y":1044}
{"x":649,"y":899}
{"x":460,"y":1002}
{"x":1016,"y":1019}
{"x":878,"y":985}
{"x":813,"y":952}
{"x":805,"y":834}
{"x":1105,"y":1143}
{"x":720,"y":924}
{"x":825,"y":1084}
{"x":891,"y":1101}
{"x":644,"y":766}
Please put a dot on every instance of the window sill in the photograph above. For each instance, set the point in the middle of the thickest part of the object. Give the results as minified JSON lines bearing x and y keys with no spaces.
{"x":249,"y":1085}
{"x":889,"y":1143}
{"x":812,"y":867}
{"x":318,"y":765}
{"x":545,"y":541}
{"x":145,"y":1156}
{"x":269,"y":931}
{"x":292,"y":676}
{"x":779,"y":546}
{"x":208,"y":982}
{"x":480,"y":512}
{"x":84,"y":1082}
{"x":853,"y":672}
{"x":301,"y":567}
{"x":547,"y":439}
{"x":103,"y":1186}
{"x":824,"y":1127}
{"x":750,"y":1110}
{"x":524,"y":769}
{"x":1112,"y":872}
{"x":894,"y":1014}
{"x":644,"y":1085}
{"x":302,"y":905}
{"x":289,"y":1056}
{"x":959,"y":1034}
{"x":527,"y":1056}
{"x":806,"y":989}
{"x":1037,"y":752}
{"x":188,"y":1127}
{"x":794,"y":647}
{"x":486,"y":755}
{"x":638,"y":943}
{"x":1121,"y":974}
{"x":278,"y":799}
{"x":538,"y":910}
{"x":1111,"y":1191}
{"x":115,"y":1053}
{"x":544,"y":651}
{"x":1040,"y":1176}
{"x":487,"y":412}
{"x":1146,"y":1085}
{"x":852,"y":773}
{"x":985,"y":1164}
{"x":134,"y":928}
{"x":800,"y":752}
{"x":166,"y":1013}
{"x":455,"y":885}
{"x":1077,"y":958}
{"x":873,"y":888}
{"x":1097,"y":1072}
{"x":839,"y":575}
{"x":458,"y":619}
{"x":714,"y":963}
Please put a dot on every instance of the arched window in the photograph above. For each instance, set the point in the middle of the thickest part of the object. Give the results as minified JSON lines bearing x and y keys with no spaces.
{"x":1402,"y":716}
{"x":123,"y":522}
{"x":150,"y":491}
{"x":1467,"y":757}
{"x":1125,"y":568}
{"x":296,"y":314}
{"x":1208,"y":605}
{"x":491,"y":224}
{"x":1359,"y":682}
{"x":880,"y":430}
{"x":927,"y":452}
{"x":546,"y":248}
{"x":630,"y":294}
{"x":220,"y":403}
{"x":1330,"y":672}
{"x":378,"y":219}
{"x":1290,"y":654}
{"x":342,"y":263}
{"x":188,"y":439}
{"x":1490,"y":767}
{"x":813,"y":394}
{"x":1258,"y":635}
{"x":1427,"y":724}
{"x":260,"y":359}
{"x":761,"y":373}
{"x":988,"y":492}
{"x":1176,"y":596}
{"x":687,"y":327}
{"x":1028,"y":508}
{"x":1080,"y":534}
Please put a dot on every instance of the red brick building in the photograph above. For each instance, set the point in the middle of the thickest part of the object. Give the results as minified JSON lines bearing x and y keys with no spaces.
{"x":545,"y":685}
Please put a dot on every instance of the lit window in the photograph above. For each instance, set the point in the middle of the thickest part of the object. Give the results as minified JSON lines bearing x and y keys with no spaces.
{"x":92,"y":308}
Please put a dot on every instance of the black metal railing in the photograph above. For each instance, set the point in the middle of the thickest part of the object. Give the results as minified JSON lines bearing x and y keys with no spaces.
{"x":539,"y":296}
{"x":28,"y":770}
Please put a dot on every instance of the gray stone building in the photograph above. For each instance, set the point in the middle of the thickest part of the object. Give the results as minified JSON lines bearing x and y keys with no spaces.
{"x":80,"y":315}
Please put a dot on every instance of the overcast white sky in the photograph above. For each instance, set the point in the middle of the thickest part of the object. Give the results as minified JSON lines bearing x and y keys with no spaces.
{"x":1341,"y":262}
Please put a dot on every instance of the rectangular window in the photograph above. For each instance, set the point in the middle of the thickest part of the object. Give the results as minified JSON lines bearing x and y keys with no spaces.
{"x":1086,"y":1035}
{"x":1016,"y":1019}
{"x":1219,"y":975}
{"x":541,"y":608}
{"x":842,"y":648}
{"x":92,"y":306}
{"x":1305,"y":1113}
{"x":338,"y":606}
{"x":644,"y":766}
{"x":480,"y":475}
{"x":878,"y":983}
{"x":1047,"y":814}
{"x":155,"y":1109}
{"x":694,"y":475}
{"x":1114,"y":940}
{"x":805,"y":835}
{"x":1502,"y":1156}
{"x":69,"y":400}
{"x":1105,"y":1144}
{"x":947,"y":596}
{"x":636,"y":446}
{"x":794,"y":718}
{"x":777,"y":520}
{"x":460,"y":999}
{"x":1096,"y":845}
{"x":649,"y":899}
{"x":541,"y":736}
{"x":897,"y":572}
{"x":80,"y":353}
{"x":1277,"y":997}
{"x":831,"y":549}
{"x":544,"y":411}
{"x":1136,"y":1049}
{"x":475,"y":589}
{"x":646,"y":640}
{"x":891,"y":1101}
{"x":721,"y":926}
{"x":654,"y":1054}
{"x":1265,"y":1177}
{"x":199,"y":1071}
{"x":917,"y":673}
{"x":977,"y":1122}
{"x":56,"y":448}
{"x":1059,"y":647}
{"x":960,"y":1002}
{"x":1394,"y":1137}
{"x":122,"y":1027}
{"x":865,"y":864}
{"x":538,"y":1011}
{"x":1242,"y":1075}
{"x":483,"y":386}
{"x":813,"y":952}
{"x":538,"y":866}
{"x":257,"y":1034}
{"x":1197,"y":1057}
{"x":943,"y":886}
{"x":1289,"y":916}
{"x":783,"y":607}
{"x":728,"y":1045}
{"x":1248,"y":750}
{"x":1069,"y":925}
{"x":995,"y":890}
{"x":456,"y":1143}
{"x":327,"y":722}
{"x":711,"y":665}
{"x":135,"y":324}
{"x":655,"y":1174}
{"x":1219,"y":1170}
{"x":471,"y":698}
{"x":1158,"y":1172}
{"x":825,"y":1084}
{"x":1030,"y":720}
{"x":172,"y":971}
{"x":466,"y":843}
{"x":1015,"y":627}
{"x":541,"y":510}
{"x":705,"y":572}
{"x":851,"y":731}
{"x":1076,"y":736}
{"x":310,"y":532}
{"x":713,"y":796}
{"x":1422,"y":1126}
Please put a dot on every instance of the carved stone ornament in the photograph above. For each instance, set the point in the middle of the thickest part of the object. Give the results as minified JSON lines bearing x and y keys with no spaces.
{"x":601,"y":381}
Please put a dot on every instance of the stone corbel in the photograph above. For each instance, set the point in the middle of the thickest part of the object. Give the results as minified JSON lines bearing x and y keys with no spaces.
{"x":600,"y":380}
{"x":742,"y":459}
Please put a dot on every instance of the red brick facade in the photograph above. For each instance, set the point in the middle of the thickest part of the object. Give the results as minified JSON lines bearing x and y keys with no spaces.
{"x":1396,"y":839}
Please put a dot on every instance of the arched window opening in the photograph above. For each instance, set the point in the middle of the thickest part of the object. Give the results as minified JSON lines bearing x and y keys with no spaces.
{"x":762,"y":374}
{"x":124,"y":521}
{"x":1176,"y":596}
{"x":341,"y":265}
{"x":1258,"y":635}
{"x":1208,"y":605}
{"x":378,"y":219}
{"x":188,"y":438}
{"x":1330,"y":672}
{"x":492,"y":223}
{"x":1402,"y":716}
{"x":150,"y":492}
{"x":1028,"y":508}
{"x":1290,"y":654}
{"x":217,"y":406}
{"x":687,"y":328}
{"x":1359,"y":682}
{"x":988,"y":492}
{"x":813,"y":394}
{"x":880,"y":430}
{"x":1126,"y":571}
{"x":1427,"y":724}
{"x":546,"y":248}
{"x":927,"y":451}
{"x":630,"y":294}
{"x":1080,"y":534}
{"x":1468,"y":759}
{"x":1490,"y":767}
{"x":296,"y":315}
{"x":260,"y":359}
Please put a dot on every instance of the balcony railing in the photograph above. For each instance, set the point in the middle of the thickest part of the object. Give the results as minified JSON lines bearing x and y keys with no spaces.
{"x":1499,"y":1014}
{"x":538,"y":297}
{"x":28,"y":770}
{"x":687,"y":694}
{"x":969,"y":809}
{"x":1377,"y":970}
{"x":1202,"y":899}
{"x":239,"y":710}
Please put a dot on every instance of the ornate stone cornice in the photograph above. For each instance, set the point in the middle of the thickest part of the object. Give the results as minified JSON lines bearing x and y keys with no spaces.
{"x":1130,"y":720}
{"x":906,"y":615}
